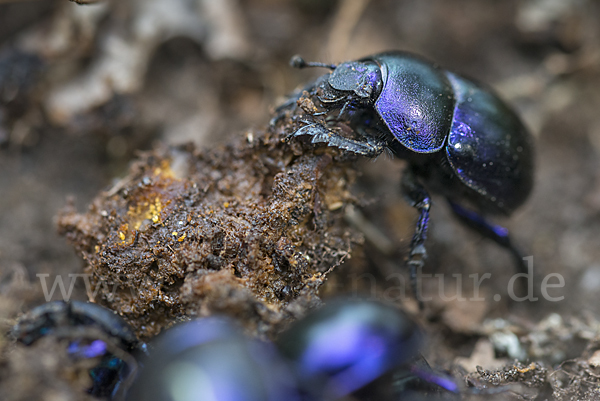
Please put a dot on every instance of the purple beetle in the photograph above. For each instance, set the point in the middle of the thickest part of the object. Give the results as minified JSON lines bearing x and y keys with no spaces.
{"x":460,"y":139}
{"x":210,"y":359}
{"x":94,"y":333}
{"x":347,"y":344}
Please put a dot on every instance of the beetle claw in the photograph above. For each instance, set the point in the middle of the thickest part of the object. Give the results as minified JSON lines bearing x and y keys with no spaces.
{"x":369,"y":147}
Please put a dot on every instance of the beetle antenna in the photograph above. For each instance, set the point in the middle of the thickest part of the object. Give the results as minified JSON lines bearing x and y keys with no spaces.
{"x":298,"y":62}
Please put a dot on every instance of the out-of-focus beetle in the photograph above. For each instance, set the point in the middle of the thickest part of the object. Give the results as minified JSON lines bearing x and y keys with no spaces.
{"x":209,"y":359}
{"x":93,"y":332}
{"x":343,"y":346}
{"x":460,"y":139}
{"x":365,"y":350}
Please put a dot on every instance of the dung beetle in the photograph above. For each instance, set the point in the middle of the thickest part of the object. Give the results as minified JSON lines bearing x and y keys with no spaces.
{"x":460,"y":139}
{"x":357,"y":349}
{"x":93,"y":332}
{"x":63,"y":319}
{"x":348,"y":343}
{"x":209,"y":359}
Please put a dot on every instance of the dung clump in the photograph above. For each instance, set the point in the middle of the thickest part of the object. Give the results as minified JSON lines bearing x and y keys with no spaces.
{"x":250,"y":229}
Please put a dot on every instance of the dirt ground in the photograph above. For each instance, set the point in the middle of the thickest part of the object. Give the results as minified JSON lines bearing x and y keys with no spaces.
{"x":84,"y":89}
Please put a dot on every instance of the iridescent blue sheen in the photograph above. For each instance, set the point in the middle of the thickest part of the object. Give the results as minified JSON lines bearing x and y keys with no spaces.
{"x":444,"y":381}
{"x":108,"y":377}
{"x":478,"y":222}
{"x":94,"y":349}
{"x":347,"y":344}
{"x":416,"y":102}
{"x":209,"y":359}
{"x":488,"y":146}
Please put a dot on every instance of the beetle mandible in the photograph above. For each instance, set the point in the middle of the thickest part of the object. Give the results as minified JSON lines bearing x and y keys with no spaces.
{"x":460,"y":139}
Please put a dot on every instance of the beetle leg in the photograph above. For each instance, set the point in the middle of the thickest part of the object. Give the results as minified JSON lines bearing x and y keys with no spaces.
{"x":418,"y":198}
{"x":343,"y":109}
{"x":370,"y":147}
{"x":347,"y":106}
{"x":496,"y":233}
